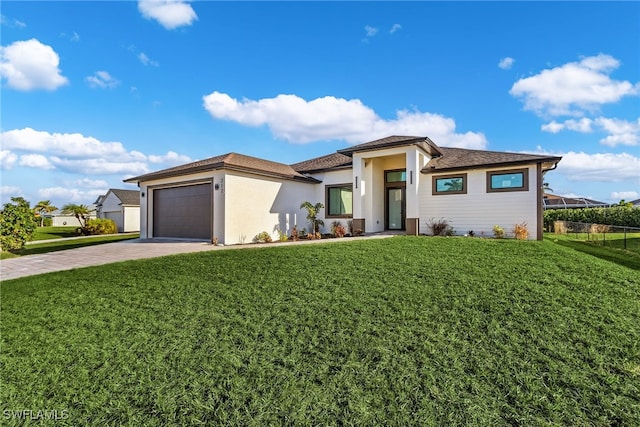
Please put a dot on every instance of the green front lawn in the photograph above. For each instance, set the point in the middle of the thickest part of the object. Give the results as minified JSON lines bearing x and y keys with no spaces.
{"x":401,"y":331}
{"x":47,"y":233}
{"x":60,"y":245}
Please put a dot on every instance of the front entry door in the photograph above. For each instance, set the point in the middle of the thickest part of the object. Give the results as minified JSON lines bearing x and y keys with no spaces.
{"x":395,"y":208}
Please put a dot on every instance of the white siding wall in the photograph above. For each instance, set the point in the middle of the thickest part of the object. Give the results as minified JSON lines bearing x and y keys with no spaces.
{"x":111,"y":209}
{"x":131,"y":219}
{"x":254,"y":204}
{"x":478,"y":210}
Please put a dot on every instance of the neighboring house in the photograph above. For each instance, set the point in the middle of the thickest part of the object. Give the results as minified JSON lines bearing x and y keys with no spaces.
{"x":58,"y":219}
{"x":635,"y":203}
{"x":123,"y":207}
{"x":394,"y":183}
{"x":551,"y":201}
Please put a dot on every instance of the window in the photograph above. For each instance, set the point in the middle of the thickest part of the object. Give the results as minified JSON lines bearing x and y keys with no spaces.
{"x":339,"y":200}
{"x":449,"y":184}
{"x":508,"y":180}
{"x":395,"y":176}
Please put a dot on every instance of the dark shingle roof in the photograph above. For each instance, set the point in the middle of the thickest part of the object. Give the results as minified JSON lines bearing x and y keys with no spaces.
{"x":394,"y":141}
{"x":461,"y":158}
{"x":232,"y":161}
{"x":127,"y":197}
{"x":330,"y":161}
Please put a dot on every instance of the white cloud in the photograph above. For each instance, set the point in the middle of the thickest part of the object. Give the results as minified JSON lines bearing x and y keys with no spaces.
{"x":102,"y":79}
{"x":37,"y":161}
{"x":29,"y":65}
{"x":170,"y":159}
{"x":506,"y":63}
{"x":72,"y":195}
{"x":7,"y":159}
{"x":625,"y":195}
{"x":76,"y":153}
{"x":90,"y":183}
{"x":170,"y":14}
{"x":146,"y":60}
{"x":296,"y":120}
{"x":573,"y":88}
{"x":371,"y":31}
{"x":621,"y":132}
{"x":12,"y":23}
{"x":394,"y":28}
{"x":7,"y":191}
{"x":601,"y":167}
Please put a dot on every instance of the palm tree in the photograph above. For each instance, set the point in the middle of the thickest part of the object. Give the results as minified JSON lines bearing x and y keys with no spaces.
{"x":44,"y":207}
{"x":312,"y":215}
{"x":81,"y":212}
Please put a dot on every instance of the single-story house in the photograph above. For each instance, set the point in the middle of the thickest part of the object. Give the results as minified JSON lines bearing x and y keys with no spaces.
{"x":552,"y":201}
{"x":122,"y":206}
{"x":58,"y":219}
{"x":395,"y":183}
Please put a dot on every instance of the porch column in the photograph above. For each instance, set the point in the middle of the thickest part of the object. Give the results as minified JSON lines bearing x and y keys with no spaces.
{"x":358,"y":185}
{"x":414,"y":164}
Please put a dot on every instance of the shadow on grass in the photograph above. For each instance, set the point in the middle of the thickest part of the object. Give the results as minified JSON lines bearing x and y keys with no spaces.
{"x":618,"y":256}
{"x":70,"y":244}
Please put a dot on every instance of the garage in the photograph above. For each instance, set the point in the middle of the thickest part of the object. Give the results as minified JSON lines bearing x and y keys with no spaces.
{"x":183,"y":212}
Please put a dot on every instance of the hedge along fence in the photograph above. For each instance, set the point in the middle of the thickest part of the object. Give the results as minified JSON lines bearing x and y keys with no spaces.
{"x":622,"y":216}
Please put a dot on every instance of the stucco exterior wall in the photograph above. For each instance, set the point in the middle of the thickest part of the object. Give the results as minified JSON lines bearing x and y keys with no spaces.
{"x":131,"y":219}
{"x":254,"y":204}
{"x":479,"y":210}
{"x":344,"y":176}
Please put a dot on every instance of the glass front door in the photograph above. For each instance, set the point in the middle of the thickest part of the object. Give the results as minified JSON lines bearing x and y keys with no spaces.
{"x":395,"y":208}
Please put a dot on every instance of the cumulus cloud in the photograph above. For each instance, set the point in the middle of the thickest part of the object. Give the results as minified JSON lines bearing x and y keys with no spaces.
{"x":90,"y":183}
{"x":506,"y":63}
{"x":7,"y":159}
{"x":102,"y":79}
{"x":620,"y":132}
{"x":170,"y":14}
{"x":76,"y":153}
{"x":601,"y":167}
{"x":625,"y":195}
{"x":574,"y":88}
{"x":394,"y":28}
{"x":30,"y":65}
{"x":297,"y":120}
{"x":10,"y":191}
{"x":37,"y":161}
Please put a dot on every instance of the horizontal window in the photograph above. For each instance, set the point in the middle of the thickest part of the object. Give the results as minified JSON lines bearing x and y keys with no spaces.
{"x":396,"y":176}
{"x":339,"y":200}
{"x":449,"y":184}
{"x":508,"y":180}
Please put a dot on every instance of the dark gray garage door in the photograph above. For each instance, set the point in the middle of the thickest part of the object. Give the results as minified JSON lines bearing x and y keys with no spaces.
{"x":182,"y":212}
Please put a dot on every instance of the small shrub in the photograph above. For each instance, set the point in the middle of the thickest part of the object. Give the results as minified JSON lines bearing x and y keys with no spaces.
{"x":294,"y":233}
{"x":100,"y":226}
{"x":520,"y":231}
{"x":498,"y":232}
{"x":440,"y":227}
{"x":263,"y":237}
{"x":282,"y":236}
{"x":337,"y":229}
{"x":17,"y":224}
{"x":471,"y":233}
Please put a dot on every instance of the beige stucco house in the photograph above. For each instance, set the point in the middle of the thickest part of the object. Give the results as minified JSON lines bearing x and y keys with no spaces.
{"x":395,"y":183}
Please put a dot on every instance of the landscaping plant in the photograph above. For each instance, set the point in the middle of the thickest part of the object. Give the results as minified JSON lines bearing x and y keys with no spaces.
{"x":17,"y":224}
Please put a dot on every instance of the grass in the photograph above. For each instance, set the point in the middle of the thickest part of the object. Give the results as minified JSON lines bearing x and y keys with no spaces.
{"x":609,"y":240}
{"x":402,"y":331}
{"x":628,"y":258}
{"x":47,"y":233}
{"x":60,"y":245}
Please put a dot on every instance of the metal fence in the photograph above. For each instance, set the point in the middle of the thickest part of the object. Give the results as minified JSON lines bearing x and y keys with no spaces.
{"x":605,"y":235}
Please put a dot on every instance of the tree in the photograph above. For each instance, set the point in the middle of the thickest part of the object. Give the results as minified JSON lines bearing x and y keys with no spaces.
{"x":81,"y":212}
{"x":44,"y":207}
{"x":17,"y":224}
{"x":454,"y":184}
{"x":312,"y":215}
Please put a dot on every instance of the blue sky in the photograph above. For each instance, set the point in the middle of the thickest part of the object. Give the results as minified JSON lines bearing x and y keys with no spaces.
{"x":96,"y":92}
